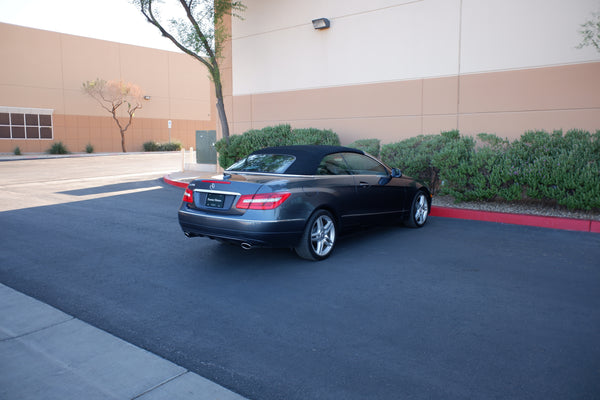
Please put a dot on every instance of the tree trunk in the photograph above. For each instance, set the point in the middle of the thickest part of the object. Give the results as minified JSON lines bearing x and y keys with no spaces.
{"x":216,"y":75}
{"x":123,"y":142}
{"x":223,"y":119}
{"x":114,"y":114}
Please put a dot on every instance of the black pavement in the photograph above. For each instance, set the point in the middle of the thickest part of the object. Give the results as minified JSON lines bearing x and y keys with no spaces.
{"x":47,"y":354}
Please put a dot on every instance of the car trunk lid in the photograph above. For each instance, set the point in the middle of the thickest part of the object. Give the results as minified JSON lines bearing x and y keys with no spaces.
{"x":219,"y":195}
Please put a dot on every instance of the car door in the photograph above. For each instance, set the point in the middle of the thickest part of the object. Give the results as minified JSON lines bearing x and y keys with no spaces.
{"x":337,"y":186}
{"x":379,"y":196}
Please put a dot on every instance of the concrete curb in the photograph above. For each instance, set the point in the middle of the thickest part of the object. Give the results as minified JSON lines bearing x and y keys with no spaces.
{"x":569,"y":224}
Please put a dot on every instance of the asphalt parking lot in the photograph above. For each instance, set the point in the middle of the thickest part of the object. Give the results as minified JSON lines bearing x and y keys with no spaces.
{"x":458,"y":309}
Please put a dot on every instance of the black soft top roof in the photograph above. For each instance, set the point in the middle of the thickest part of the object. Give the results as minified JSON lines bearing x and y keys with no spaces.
{"x":308,"y":157}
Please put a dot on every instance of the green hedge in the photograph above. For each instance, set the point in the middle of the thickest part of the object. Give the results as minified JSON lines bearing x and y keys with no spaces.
{"x":58,"y":148}
{"x":419,"y":156}
{"x":153,"y":146}
{"x":239,"y":146}
{"x":555,"y":168}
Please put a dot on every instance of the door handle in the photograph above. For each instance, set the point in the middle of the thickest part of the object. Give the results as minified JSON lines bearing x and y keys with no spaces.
{"x":363,"y":184}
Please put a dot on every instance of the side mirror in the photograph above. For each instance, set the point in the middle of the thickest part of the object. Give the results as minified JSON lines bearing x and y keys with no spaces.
{"x":396,"y":173}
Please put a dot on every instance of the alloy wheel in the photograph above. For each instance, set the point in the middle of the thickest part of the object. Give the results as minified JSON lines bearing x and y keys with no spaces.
{"x":322,"y":235}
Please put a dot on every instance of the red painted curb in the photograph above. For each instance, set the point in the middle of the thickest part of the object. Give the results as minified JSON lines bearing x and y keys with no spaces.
{"x":568,"y":224}
{"x":169,"y":181}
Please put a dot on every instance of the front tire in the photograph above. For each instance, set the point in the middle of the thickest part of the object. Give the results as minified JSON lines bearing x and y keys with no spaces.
{"x":419,"y":211}
{"x":319,"y":237}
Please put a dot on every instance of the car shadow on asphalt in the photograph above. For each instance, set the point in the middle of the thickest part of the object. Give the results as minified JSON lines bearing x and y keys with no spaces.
{"x":359,"y":241}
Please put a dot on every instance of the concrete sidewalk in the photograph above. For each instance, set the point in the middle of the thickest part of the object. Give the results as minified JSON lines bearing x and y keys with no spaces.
{"x":47,"y":354}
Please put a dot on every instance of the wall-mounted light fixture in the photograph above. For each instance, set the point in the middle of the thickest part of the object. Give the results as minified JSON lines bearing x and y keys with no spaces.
{"x":147,"y":97}
{"x":320,"y":23}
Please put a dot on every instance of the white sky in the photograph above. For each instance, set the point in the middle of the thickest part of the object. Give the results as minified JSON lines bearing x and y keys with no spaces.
{"x":113,"y":20}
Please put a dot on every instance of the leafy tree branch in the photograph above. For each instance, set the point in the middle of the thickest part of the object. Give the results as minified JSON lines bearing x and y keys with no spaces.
{"x":199,"y":32}
{"x":590,"y":30}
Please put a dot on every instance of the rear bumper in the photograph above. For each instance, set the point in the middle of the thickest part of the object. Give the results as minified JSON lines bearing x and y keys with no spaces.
{"x":241,"y":228}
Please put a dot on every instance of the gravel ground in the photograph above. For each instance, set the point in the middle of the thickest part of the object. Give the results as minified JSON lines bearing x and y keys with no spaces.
{"x":517,"y":208}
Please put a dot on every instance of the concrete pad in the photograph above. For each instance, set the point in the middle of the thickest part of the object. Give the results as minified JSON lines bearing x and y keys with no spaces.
{"x":30,"y":375}
{"x":193,"y":387}
{"x":47,"y":354}
{"x":20,"y":314}
{"x":99,"y":359}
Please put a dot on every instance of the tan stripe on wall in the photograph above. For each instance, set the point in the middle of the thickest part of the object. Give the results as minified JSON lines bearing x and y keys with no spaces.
{"x":505,"y":103}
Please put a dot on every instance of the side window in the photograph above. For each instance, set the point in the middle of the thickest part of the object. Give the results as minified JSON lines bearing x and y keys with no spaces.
{"x":363,"y":165}
{"x":333,"y":164}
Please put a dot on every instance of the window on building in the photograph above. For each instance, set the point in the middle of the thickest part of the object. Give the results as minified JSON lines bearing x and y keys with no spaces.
{"x":25,"y":123}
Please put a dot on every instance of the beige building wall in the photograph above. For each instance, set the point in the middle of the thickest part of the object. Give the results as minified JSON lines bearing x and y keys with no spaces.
{"x":46,"y":70}
{"x":504,"y":103}
{"x":392,"y":69}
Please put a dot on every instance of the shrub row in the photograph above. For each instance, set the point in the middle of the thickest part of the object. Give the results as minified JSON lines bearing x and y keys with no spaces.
{"x":153,"y":146}
{"x":558,"y":168}
{"x":60,"y":148}
{"x":239,"y":146}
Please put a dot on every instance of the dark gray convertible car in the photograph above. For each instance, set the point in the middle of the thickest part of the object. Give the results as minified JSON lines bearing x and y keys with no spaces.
{"x":301,"y":197}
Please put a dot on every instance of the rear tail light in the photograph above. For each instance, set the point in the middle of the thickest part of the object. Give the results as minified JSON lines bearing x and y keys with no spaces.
{"x":263,"y":201}
{"x":188,"y":196}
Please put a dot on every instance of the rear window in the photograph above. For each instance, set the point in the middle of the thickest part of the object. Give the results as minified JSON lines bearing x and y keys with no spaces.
{"x":268,"y":163}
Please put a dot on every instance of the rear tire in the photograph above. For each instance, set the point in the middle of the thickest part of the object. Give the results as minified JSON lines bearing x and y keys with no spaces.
{"x":419,"y":211}
{"x":319,"y":237}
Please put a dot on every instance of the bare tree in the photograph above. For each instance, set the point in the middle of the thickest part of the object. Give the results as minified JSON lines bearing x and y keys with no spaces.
{"x":200,"y":33}
{"x":114,"y":96}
